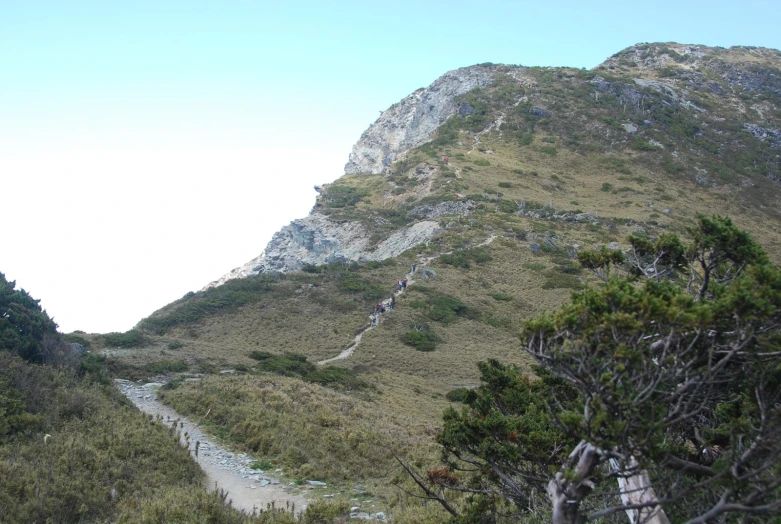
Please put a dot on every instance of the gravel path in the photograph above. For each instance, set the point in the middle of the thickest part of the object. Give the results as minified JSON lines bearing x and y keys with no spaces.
{"x":248,"y":489}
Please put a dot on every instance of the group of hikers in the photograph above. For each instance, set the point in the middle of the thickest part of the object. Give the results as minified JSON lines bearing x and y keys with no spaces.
{"x":390,"y":304}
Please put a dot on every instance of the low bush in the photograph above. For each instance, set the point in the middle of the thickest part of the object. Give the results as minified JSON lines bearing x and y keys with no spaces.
{"x":128,"y":339}
{"x":421,"y":340}
{"x":340,"y":196}
{"x":466,"y":257}
{"x":295,"y":365}
{"x":501,"y":296}
{"x":286,"y":364}
{"x":337,"y":378}
{"x":459,"y":395}
{"x":77,"y":339}
{"x":356,"y":284}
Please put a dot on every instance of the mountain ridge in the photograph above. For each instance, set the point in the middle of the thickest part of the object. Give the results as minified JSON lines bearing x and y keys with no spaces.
{"x":675,"y":74}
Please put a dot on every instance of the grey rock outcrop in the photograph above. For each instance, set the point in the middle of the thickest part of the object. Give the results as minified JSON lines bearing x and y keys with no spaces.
{"x":414,"y":120}
{"x":75,"y":348}
{"x":769,"y":135}
{"x":317,"y":240}
{"x":443,"y":208}
{"x":539,"y":111}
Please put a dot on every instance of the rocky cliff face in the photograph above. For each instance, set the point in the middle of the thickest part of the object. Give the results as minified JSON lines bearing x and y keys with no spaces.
{"x":414,"y":120}
{"x":316,"y":239}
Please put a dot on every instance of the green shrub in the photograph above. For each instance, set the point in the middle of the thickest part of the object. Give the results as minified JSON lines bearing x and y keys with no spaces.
{"x":501,"y":296}
{"x":337,"y":378}
{"x":421,"y":340}
{"x":367,"y":289}
{"x":524,"y":138}
{"x":445,"y":309}
{"x":128,"y":339}
{"x":287,"y":364}
{"x":496,"y":321}
{"x":506,"y":206}
{"x":549,"y":150}
{"x":174,"y":345}
{"x":561,"y":280}
{"x":295,"y":365}
{"x":534,"y":266}
{"x":464,"y":258}
{"x":311,"y":268}
{"x":607,"y":187}
{"x":459,"y":395}
{"x":340,"y":196}
{"x":77,"y":339}
{"x":505,"y":185}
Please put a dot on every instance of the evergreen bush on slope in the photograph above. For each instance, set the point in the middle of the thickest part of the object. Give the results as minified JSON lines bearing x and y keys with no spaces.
{"x":666,"y":382}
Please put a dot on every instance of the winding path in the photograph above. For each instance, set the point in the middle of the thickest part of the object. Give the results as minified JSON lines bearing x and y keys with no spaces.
{"x":357,"y":340}
{"x":248,"y":489}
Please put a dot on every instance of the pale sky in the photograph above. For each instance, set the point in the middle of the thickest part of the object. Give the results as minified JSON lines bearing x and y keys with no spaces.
{"x":149,"y":147}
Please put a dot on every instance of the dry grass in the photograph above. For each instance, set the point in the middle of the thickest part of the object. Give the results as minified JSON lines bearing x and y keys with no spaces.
{"x":596,"y":171}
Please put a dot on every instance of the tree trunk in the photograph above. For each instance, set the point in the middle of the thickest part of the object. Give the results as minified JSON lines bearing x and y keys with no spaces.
{"x":565,"y":494}
{"x":637,"y":489}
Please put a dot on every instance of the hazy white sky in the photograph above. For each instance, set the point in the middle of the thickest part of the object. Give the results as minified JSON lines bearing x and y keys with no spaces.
{"x":149,"y":148}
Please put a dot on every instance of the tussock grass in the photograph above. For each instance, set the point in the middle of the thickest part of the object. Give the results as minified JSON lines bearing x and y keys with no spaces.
{"x":310,"y":431}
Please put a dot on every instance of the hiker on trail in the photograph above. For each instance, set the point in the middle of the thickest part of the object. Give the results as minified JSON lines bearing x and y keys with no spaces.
{"x":374,"y":320}
{"x":382,"y":307}
{"x":392,"y":303}
{"x":414,"y":267}
{"x":404,"y":283}
{"x":379,"y":308}
{"x":398,"y":283}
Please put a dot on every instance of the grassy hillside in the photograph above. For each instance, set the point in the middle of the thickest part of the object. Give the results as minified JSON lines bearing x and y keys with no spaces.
{"x":640,"y":144}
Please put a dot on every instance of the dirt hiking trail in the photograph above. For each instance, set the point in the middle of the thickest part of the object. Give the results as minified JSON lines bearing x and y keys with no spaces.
{"x":357,"y":340}
{"x":248,"y":489}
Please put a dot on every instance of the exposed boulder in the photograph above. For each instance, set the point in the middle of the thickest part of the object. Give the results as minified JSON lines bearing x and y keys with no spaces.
{"x":539,"y":111}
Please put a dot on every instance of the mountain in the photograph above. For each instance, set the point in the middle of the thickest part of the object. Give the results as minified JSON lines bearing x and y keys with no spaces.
{"x":703,"y":115}
{"x":490,"y":180}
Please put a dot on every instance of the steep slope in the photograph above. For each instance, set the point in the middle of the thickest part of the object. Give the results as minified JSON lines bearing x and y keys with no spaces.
{"x":542,"y":161}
